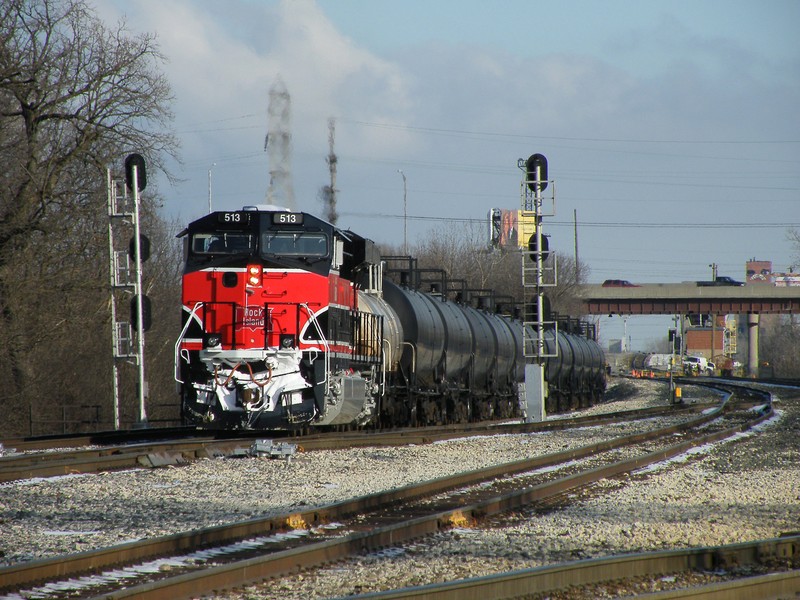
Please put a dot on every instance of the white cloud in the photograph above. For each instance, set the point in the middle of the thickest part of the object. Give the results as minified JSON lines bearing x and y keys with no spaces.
{"x":218,"y":72}
{"x":687,"y":84}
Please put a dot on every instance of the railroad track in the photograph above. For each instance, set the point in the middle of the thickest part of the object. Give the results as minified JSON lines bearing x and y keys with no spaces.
{"x":36,"y":462}
{"x":193,"y":563}
{"x":779,"y":556}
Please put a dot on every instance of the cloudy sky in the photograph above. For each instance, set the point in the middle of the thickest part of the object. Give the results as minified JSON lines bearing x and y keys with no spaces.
{"x":672,"y":129}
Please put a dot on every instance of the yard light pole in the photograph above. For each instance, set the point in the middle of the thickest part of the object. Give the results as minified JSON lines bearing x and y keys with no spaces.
{"x":405,"y":213}
{"x":713,"y":271}
{"x":209,"y":185}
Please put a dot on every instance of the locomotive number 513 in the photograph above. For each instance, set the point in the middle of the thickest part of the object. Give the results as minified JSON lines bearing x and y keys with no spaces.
{"x":287,"y":218}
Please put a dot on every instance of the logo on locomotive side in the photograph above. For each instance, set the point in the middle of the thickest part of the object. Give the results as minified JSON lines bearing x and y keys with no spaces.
{"x":250,"y":316}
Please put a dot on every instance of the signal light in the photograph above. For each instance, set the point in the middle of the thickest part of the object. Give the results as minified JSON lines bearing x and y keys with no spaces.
{"x":545,"y":247}
{"x":144,"y":246}
{"x":147,"y":313}
{"x":536,"y":168}
{"x":254,"y":275}
{"x":135,"y":160}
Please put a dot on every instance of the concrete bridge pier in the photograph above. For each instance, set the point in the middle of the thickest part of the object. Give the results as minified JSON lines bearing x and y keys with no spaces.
{"x":752,"y":347}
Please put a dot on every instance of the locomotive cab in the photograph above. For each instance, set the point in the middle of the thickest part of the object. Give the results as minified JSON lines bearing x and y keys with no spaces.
{"x":267,"y":340}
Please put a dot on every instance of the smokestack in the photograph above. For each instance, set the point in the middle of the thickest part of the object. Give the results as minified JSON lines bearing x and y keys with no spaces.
{"x":279,"y":146}
{"x":328,"y":192}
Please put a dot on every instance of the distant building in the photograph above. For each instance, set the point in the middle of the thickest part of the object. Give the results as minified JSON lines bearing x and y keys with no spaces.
{"x":709,"y":335}
{"x":759,"y":272}
{"x":786,"y":279}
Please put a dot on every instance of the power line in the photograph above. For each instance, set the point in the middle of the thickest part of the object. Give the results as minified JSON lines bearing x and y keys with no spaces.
{"x":608,"y":224}
{"x":437,"y":130}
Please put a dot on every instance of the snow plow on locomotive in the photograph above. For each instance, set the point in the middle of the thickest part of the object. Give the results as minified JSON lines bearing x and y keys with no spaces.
{"x":289,"y":321}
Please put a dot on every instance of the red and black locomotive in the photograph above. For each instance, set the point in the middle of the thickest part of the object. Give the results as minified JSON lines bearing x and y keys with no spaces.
{"x":289,"y":321}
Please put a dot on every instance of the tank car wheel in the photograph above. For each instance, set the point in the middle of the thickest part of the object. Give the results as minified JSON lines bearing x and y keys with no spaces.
{"x":483,"y":410}
{"x":460,"y":409}
{"x":504,"y":409}
{"x":430,"y":411}
{"x":467,"y":407}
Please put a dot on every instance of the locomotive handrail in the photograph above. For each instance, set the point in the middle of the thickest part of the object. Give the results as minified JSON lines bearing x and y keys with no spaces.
{"x":413,"y":358}
{"x":387,"y":356}
{"x":197,"y":306}
{"x":322,"y":337}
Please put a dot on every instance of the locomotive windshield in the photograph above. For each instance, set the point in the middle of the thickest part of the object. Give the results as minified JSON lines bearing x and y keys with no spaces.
{"x":223,"y":243}
{"x":294,"y":243}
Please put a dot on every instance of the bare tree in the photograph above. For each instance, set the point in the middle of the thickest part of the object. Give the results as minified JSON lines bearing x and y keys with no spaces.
{"x":780,"y":334}
{"x":793,"y":235}
{"x":75,"y":96}
{"x":463,"y":254}
{"x":779,"y":340}
{"x":563,"y":297}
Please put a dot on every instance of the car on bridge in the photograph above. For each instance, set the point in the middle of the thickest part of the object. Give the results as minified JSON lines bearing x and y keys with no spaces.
{"x":618,"y":283}
{"x":722,"y":280}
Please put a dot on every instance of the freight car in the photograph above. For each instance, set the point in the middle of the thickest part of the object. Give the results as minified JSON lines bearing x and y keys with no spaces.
{"x":289,"y":321}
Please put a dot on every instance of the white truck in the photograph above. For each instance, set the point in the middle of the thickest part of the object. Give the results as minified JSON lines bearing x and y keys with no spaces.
{"x":698,"y":365}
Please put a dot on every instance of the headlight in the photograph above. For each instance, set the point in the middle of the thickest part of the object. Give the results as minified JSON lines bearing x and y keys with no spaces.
{"x":212,"y":340}
{"x":254,"y":275}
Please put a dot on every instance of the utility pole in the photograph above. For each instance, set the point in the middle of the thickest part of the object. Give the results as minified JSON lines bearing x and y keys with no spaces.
{"x":575,"y":235}
{"x":209,"y":186}
{"x":405,"y":213}
{"x":625,"y":343}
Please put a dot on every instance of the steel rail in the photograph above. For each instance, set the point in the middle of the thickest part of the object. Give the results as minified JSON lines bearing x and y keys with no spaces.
{"x":124,"y":437}
{"x":252,"y":570}
{"x":45,"y":569}
{"x":552,"y":578}
{"x":19,"y":576}
{"x":94,"y":460}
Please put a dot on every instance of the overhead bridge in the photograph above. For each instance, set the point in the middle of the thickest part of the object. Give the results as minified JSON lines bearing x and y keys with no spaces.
{"x":689,"y":298}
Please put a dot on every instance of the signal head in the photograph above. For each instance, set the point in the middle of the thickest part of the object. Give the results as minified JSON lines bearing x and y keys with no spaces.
{"x":536,"y":172}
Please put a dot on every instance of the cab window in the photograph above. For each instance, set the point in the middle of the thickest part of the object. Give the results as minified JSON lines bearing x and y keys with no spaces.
{"x":294,"y":243}
{"x":222,"y":243}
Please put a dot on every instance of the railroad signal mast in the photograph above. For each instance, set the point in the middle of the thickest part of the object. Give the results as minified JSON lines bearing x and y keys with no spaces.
{"x":535,"y":277}
{"x":125,"y":266}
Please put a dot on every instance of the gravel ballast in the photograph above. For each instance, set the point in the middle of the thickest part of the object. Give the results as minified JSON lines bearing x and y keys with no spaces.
{"x":731,"y":492}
